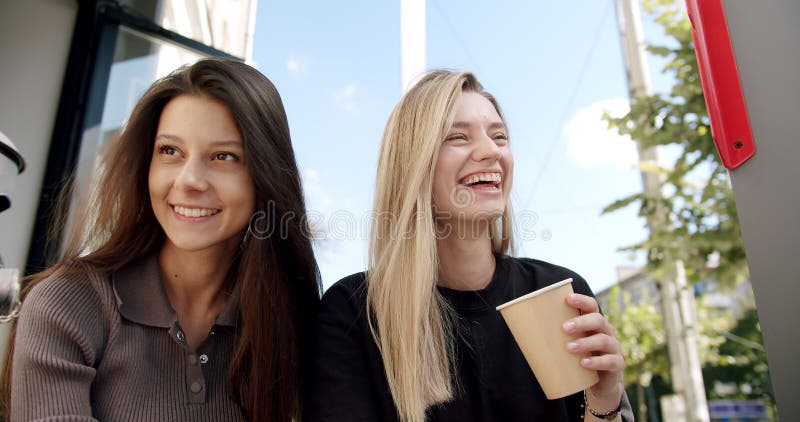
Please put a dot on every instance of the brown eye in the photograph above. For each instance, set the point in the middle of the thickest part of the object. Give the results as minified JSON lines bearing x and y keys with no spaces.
{"x":167,"y":150}
{"x":225,"y":156}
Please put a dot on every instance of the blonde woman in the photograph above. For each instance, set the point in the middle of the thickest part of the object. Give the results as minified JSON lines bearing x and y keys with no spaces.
{"x":417,"y":337}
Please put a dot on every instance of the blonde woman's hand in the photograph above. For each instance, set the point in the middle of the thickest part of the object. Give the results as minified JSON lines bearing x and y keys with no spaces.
{"x":599,"y":339}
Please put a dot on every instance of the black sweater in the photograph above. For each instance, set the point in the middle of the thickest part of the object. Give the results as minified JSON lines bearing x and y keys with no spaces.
{"x":346,"y":380}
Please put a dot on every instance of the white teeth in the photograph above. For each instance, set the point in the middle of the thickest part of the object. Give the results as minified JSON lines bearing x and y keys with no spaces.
{"x":195,"y":212}
{"x":483,"y":177}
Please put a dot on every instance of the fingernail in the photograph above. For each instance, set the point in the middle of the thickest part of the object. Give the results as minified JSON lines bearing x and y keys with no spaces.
{"x":572,"y":346}
{"x":586,"y":362}
{"x":569,"y":326}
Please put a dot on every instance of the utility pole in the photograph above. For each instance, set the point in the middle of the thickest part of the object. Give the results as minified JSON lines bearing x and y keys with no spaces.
{"x":677,"y":298}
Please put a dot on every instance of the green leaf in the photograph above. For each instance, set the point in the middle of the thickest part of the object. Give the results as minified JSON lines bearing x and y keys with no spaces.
{"x":690,"y":217}
{"x":620,"y":203}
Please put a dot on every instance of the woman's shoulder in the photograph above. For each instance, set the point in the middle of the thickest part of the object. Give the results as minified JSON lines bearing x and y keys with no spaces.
{"x":347,"y":296}
{"x":70,"y":309}
{"x":350,"y":288}
{"x":544,"y":273}
{"x":70,"y":286}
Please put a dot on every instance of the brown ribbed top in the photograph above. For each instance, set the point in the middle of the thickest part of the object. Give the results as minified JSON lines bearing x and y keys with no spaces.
{"x":110,"y":348}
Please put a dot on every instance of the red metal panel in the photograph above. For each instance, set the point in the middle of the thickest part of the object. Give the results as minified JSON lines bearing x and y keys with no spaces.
{"x":730,"y":125}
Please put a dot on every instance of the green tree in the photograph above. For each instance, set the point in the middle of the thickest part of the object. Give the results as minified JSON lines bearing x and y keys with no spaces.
{"x":740,"y":362}
{"x":641,"y":335}
{"x":640,"y":332}
{"x":692,"y":217}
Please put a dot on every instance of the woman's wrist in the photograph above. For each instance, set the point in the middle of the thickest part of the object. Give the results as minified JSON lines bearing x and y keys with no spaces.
{"x":604,"y":405}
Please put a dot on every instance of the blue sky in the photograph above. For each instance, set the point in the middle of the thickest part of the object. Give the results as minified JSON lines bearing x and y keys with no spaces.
{"x":554,"y":67}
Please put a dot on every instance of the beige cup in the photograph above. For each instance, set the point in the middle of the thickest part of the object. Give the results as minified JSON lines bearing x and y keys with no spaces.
{"x":535,"y":321}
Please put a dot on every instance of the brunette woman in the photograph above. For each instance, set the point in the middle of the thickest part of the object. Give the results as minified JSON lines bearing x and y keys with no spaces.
{"x":176,"y":297}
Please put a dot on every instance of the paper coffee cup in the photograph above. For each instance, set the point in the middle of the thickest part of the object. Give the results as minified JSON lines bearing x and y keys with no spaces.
{"x":535,"y":320}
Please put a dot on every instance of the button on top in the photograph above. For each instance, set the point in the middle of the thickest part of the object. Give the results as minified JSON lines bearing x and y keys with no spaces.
{"x":192,"y":359}
{"x":181,"y":336}
{"x":196,"y":387}
{"x":203,"y":358}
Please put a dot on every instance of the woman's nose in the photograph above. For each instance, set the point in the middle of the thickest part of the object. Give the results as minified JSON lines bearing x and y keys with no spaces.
{"x":486,"y":148}
{"x":193,"y":176}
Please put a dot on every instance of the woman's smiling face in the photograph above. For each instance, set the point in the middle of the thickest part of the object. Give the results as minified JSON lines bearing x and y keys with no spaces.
{"x":472,"y":178}
{"x":200,"y":188}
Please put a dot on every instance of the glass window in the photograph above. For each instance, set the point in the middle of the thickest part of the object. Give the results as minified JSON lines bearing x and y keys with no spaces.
{"x":139,"y":60}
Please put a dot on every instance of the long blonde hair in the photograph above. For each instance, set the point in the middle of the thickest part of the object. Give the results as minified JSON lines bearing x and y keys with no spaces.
{"x":410,"y":321}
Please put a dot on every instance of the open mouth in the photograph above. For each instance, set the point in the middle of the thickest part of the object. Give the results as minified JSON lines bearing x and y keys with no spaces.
{"x":482,"y":180}
{"x":195,"y":212}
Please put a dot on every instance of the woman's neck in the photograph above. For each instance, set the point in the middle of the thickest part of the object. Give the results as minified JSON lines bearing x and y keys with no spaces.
{"x":465,"y":262}
{"x":193,"y":280}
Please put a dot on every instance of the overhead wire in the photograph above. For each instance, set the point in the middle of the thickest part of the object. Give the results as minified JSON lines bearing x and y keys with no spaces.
{"x":570,"y":102}
{"x":571,"y":98}
{"x":454,"y":33}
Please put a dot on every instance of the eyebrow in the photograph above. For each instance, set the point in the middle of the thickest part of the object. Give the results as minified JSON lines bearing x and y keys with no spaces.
{"x":219,"y":143}
{"x":493,"y":125}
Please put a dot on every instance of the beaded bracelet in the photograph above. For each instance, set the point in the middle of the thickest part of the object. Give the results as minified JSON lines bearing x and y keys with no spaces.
{"x":608,"y":416}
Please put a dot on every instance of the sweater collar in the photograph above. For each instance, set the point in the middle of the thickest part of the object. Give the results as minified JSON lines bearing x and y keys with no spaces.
{"x":141,"y":298}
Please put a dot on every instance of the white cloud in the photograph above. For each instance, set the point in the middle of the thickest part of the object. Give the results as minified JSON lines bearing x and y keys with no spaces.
{"x":345,"y":98}
{"x":315,"y":195}
{"x":591,"y":143}
{"x":292,"y":65}
{"x":338,"y":231}
{"x":298,"y":67}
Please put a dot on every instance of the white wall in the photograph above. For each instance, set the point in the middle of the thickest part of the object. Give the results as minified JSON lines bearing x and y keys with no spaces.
{"x":35,"y":36}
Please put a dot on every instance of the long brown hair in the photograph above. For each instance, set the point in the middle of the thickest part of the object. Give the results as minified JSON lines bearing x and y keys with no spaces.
{"x":275,"y":273}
